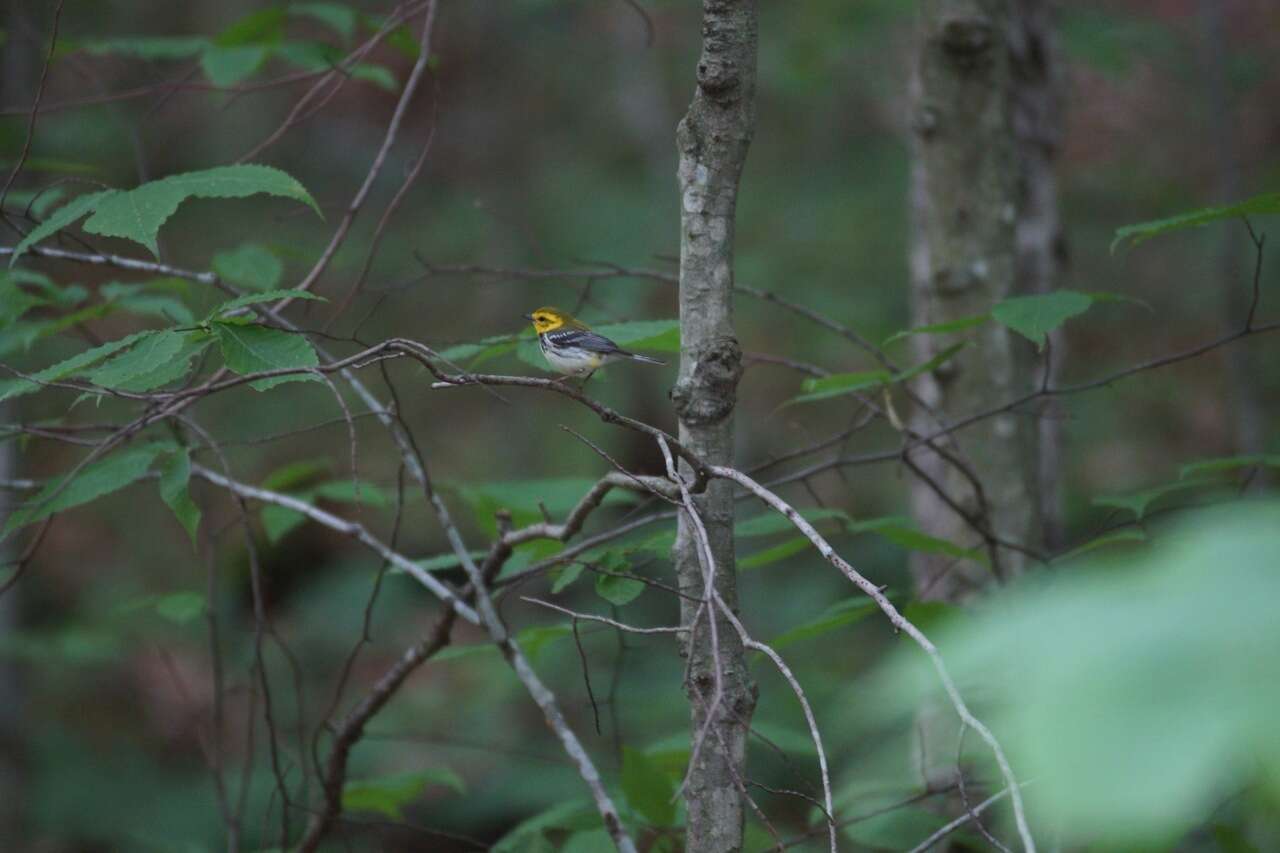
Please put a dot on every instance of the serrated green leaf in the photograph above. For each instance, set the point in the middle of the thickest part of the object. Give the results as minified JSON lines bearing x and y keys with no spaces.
{"x":648,"y":789}
{"x":836,"y":616}
{"x":618,"y":590}
{"x":249,"y":265}
{"x":1259,"y":205}
{"x":175,"y":475}
{"x":180,"y":607}
{"x":137,"y":214}
{"x":152,"y":350}
{"x":256,"y":298}
{"x":99,"y":478}
{"x":61,"y":218}
{"x":1034,"y":317}
{"x":172,"y":370}
{"x":566,"y":575}
{"x":388,"y":795}
{"x":66,"y":367}
{"x":939,"y":328}
{"x":249,"y":349}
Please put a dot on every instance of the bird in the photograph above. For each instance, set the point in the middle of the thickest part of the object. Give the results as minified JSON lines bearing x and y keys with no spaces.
{"x":571,"y":348}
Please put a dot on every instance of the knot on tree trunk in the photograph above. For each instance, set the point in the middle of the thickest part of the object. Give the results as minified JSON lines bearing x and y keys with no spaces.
{"x":717,"y":76}
{"x":967,"y":41}
{"x":708,"y":392}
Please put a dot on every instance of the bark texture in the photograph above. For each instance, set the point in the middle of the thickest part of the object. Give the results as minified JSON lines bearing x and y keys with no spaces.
{"x":713,"y":139}
{"x":966,"y":195}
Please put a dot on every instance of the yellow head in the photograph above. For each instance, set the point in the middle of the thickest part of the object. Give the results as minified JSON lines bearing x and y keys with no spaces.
{"x":548,"y":319}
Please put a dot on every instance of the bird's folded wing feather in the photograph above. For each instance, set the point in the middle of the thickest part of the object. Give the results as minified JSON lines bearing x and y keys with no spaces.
{"x":582,"y":339}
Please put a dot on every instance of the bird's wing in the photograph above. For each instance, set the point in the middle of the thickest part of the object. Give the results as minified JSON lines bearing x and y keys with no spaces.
{"x":582,"y":339}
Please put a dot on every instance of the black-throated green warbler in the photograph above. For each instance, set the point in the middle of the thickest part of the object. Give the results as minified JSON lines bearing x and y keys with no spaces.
{"x":572,"y":348}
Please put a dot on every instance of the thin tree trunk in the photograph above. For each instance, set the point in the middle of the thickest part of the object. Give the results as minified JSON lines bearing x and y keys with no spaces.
{"x":965,"y":203}
{"x":713,"y":139}
{"x":1250,"y":433}
{"x":1038,"y":97}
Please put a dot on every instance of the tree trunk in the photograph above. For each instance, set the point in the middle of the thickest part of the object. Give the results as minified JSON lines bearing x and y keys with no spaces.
{"x":1242,"y":369}
{"x":965,"y":202}
{"x":1038,"y":94}
{"x":713,"y":139}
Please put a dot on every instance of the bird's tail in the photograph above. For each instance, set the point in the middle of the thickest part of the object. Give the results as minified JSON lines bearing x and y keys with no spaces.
{"x":644,"y":358}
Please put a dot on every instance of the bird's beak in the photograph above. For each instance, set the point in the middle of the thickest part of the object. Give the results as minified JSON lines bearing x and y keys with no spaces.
{"x":528,"y":317}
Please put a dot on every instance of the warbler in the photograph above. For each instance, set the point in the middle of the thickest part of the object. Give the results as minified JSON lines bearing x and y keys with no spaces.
{"x":572,"y":348}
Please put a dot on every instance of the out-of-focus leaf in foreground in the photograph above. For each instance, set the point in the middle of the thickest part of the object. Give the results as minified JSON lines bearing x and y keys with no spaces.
{"x":1138,"y":692}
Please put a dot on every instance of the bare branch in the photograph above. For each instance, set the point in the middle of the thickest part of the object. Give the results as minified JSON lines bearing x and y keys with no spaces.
{"x":902,"y":624}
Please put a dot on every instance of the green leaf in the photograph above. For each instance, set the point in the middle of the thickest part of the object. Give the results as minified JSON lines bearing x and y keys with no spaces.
{"x":590,"y":841}
{"x":253,"y":349}
{"x":839,"y":384}
{"x":279,"y":521}
{"x":227,"y":66}
{"x":648,"y":789}
{"x":534,"y":640}
{"x":180,"y":607}
{"x":1259,"y":205}
{"x":1126,"y":535}
{"x":939,"y":328}
{"x":98,"y":478}
{"x":175,"y":475}
{"x":771,"y":523}
{"x":249,"y":265}
{"x":67,"y":367}
{"x":264,"y":26}
{"x":566,"y":575}
{"x":151,"y":350}
{"x":1152,"y":670}
{"x":146,"y":47}
{"x":137,"y":214}
{"x":294,"y":474}
{"x":388,"y":795}
{"x":901,"y":532}
{"x":1229,"y":463}
{"x":569,"y":815}
{"x":137,"y":299}
{"x":1139,"y":502}
{"x":772,"y":555}
{"x":836,"y":616}
{"x":255,"y":298}
{"x":618,"y":590}
{"x":1034,"y":317}
{"x":338,"y":17}
{"x":164,"y":373}
{"x":61,"y":218}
